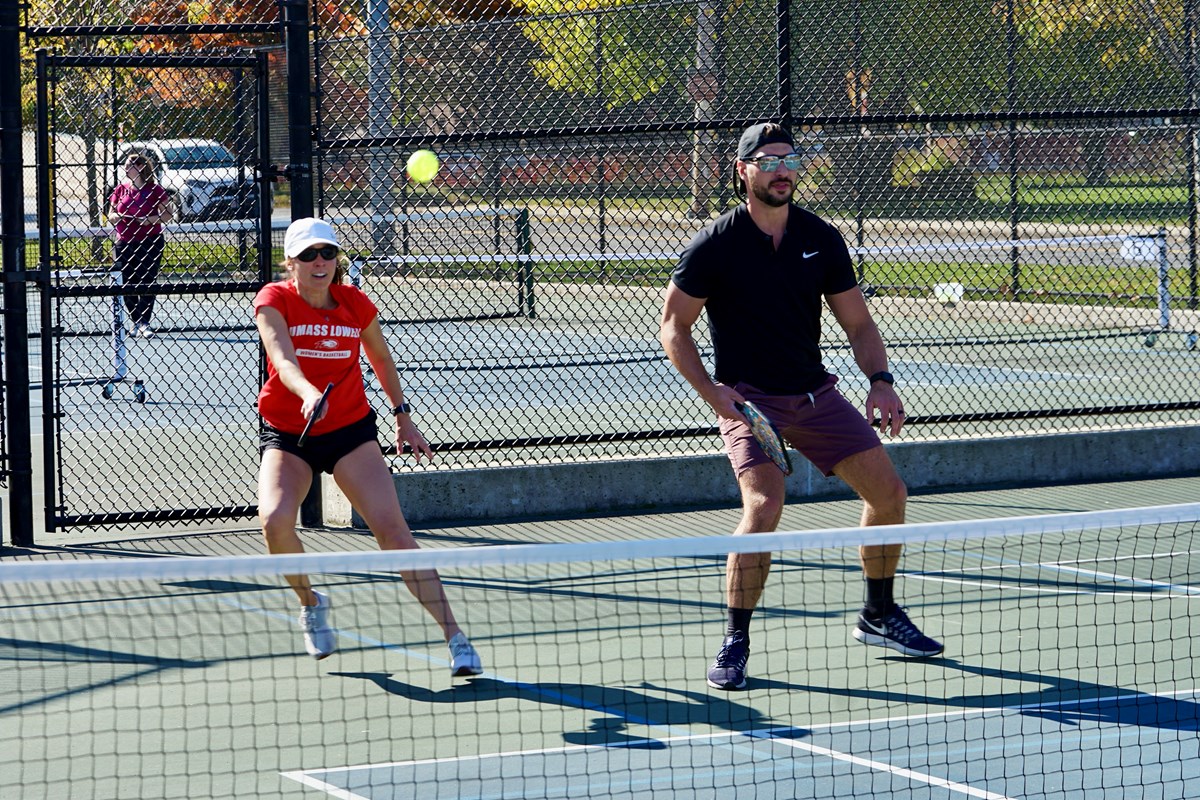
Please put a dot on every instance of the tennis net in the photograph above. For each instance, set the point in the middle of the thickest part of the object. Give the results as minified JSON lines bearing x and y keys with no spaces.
{"x":1070,"y":667}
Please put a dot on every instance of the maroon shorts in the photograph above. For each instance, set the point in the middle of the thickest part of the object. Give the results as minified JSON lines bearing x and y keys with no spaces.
{"x":823,"y":426}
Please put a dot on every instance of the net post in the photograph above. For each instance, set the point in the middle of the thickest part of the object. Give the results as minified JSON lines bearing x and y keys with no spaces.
{"x":1164,"y":277}
{"x":120,"y":364}
{"x":525,"y":269}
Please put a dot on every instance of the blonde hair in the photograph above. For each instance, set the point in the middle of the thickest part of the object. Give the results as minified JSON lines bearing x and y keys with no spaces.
{"x":142,"y":159}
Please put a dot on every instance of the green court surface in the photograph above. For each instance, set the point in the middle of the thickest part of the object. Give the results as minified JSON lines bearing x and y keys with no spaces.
{"x":1069,"y":668}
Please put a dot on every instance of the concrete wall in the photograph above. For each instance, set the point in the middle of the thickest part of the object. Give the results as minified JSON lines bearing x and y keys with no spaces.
{"x":623,"y":486}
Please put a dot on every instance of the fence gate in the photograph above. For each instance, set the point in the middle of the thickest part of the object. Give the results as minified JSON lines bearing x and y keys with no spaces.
{"x":158,"y":425}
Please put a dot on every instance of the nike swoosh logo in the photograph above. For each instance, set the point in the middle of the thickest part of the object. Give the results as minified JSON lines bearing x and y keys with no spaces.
{"x":810,"y":255}
{"x":880,"y":629}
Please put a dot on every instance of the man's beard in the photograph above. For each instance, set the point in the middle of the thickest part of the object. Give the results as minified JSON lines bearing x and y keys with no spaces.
{"x":763,"y":193}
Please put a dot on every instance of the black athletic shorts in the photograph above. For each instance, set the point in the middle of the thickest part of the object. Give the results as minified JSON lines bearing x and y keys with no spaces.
{"x":321,"y":452}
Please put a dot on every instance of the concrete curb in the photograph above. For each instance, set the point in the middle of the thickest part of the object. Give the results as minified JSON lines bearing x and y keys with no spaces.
{"x":605,"y":487}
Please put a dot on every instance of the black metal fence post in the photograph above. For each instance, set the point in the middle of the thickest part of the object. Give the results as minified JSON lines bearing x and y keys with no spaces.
{"x":525,"y":270}
{"x":783,"y":60}
{"x":1193,"y":147}
{"x":12,"y":231}
{"x":1014,"y":178}
{"x":297,"y":46}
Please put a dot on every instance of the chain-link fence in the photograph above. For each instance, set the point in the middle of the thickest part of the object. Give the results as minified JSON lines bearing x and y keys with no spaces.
{"x":1022,"y":219}
{"x":1017,"y":183}
{"x":153,"y":236}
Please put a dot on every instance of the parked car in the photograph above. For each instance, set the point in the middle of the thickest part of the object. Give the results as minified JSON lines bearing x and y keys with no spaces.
{"x":202,"y":176}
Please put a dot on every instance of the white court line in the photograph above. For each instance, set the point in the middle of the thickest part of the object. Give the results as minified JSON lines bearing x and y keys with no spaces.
{"x":1098,"y":559}
{"x":760,"y":734}
{"x":881,"y":766}
{"x":770,"y":735}
{"x":1189,"y":594}
{"x":306,"y":777}
{"x":986,"y":370}
{"x":766,"y":734}
{"x":1184,"y":590}
{"x":328,"y":788}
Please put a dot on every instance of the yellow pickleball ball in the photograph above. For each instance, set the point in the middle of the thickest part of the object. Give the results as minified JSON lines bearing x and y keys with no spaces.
{"x":422,"y":166}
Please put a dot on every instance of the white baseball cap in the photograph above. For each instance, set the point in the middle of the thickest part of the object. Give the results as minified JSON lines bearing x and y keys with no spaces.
{"x":304,"y":233}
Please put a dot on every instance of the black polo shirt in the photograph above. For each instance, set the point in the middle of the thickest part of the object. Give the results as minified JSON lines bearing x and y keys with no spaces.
{"x":763,"y":304}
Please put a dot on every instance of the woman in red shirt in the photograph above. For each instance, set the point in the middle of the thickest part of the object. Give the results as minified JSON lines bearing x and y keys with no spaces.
{"x":138,"y":208}
{"x":312,"y":326}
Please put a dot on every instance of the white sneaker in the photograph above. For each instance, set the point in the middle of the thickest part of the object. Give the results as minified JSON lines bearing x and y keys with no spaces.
{"x":319,"y":639}
{"x":143,"y":330}
{"x":463,"y":658}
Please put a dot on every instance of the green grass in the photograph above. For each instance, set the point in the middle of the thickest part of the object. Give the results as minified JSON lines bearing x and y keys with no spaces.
{"x":1072,"y":284}
{"x":1088,"y":284}
{"x":995,"y":189}
{"x":178,"y":257}
{"x":1050,"y":198}
{"x":1117,"y":283}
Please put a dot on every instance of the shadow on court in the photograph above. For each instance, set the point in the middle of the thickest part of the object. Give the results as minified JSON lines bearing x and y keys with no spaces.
{"x":1059,"y":698}
{"x":81,"y":665}
{"x":621,"y":706}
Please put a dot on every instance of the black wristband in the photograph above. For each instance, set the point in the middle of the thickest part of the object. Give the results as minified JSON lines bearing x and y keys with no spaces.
{"x":403,"y":408}
{"x":886,"y":377}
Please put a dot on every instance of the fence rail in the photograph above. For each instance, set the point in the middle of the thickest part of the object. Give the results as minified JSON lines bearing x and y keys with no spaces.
{"x":1024,"y":226}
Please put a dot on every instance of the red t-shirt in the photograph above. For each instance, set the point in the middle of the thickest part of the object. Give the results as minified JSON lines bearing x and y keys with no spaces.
{"x":141,"y":202}
{"x":327,"y":344}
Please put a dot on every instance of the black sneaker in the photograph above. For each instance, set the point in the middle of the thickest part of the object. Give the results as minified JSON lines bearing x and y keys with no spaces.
{"x":898,"y":632}
{"x":728,"y":670}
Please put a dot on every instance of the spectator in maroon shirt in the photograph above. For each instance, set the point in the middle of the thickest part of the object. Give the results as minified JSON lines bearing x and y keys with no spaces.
{"x":138,"y":208}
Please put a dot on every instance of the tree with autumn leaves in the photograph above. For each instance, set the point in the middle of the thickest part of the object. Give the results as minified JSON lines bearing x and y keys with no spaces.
{"x":1079,"y":51}
{"x":849,"y":56}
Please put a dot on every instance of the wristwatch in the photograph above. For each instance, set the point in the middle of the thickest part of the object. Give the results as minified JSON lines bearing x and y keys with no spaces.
{"x":884,"y":376}
{"x":403,"y":408}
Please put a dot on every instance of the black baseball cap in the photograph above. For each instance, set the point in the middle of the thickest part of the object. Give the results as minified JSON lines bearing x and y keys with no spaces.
{"x":764,"y":133}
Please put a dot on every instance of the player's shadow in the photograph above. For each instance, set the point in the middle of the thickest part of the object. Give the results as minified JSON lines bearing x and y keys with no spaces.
{"x":1058,"y":698}
{"x":78,"y":664}
{"x":620,"y":707}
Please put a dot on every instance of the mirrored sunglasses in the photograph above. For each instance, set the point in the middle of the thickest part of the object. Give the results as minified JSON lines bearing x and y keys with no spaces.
{"x":327,"y":252}
{"x":792,"y":161}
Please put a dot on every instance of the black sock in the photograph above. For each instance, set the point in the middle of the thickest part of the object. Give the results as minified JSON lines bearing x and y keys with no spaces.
{"x":879,"y":598}
{"x":739,"y":620}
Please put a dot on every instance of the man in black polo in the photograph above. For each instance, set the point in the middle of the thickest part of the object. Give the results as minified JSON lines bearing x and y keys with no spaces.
{"x":761,"y":271}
